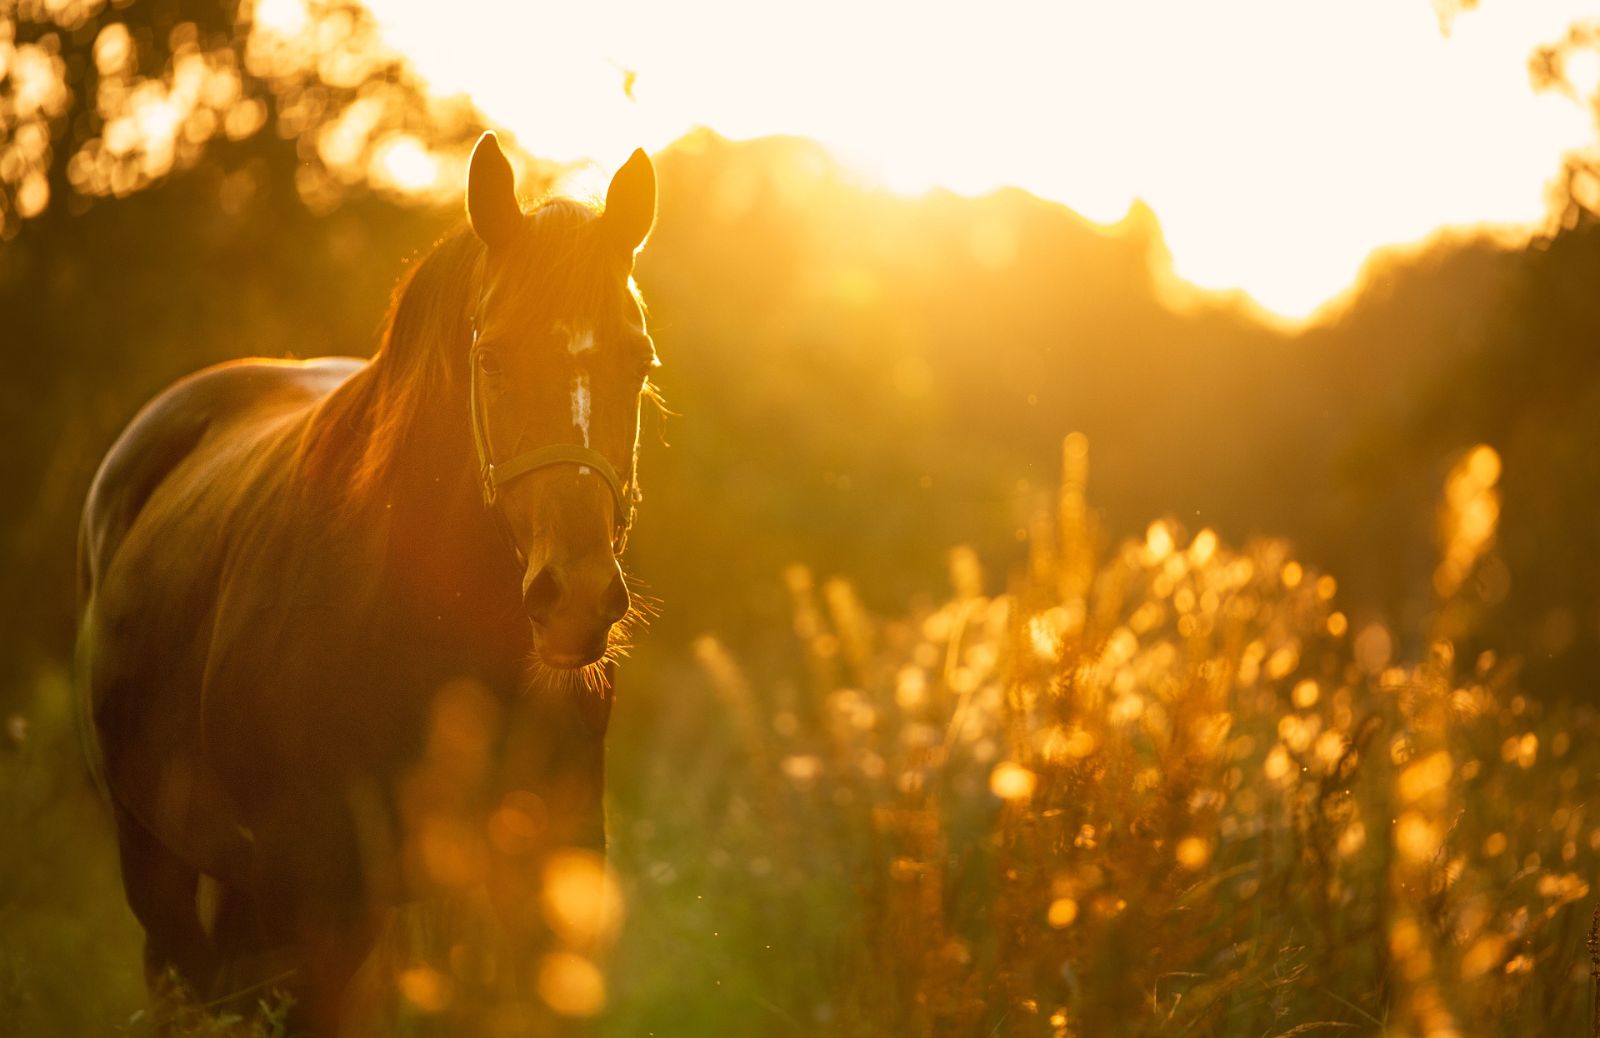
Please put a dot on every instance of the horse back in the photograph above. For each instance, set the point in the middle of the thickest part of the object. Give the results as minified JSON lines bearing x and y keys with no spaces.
{"x":175,"y":426}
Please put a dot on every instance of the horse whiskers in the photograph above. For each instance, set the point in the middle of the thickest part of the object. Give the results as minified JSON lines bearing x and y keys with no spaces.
{"x":592,"y":678}
{"x":618,"y":647}
{"x":596,"y":679}
{"x":622,"y":632}
{"x":652,"y":393}
{"x":642,"y":606}
{"x":639,"y":595}
{"x":641,"y":609}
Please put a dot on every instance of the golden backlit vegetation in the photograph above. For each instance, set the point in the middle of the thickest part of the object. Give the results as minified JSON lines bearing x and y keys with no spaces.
{"x":1161,"y":786}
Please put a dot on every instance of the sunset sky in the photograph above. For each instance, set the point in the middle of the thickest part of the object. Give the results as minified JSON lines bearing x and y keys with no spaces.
{"x":1278,"y":142}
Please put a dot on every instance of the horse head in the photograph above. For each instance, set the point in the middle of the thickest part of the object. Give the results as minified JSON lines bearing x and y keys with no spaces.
{"x":559,"y":367}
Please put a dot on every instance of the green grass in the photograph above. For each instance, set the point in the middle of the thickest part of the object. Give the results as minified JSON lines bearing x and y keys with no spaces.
{"x":69,"y":947}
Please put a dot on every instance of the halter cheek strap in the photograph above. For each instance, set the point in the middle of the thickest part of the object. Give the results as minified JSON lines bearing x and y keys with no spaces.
{"x":495,"y":475}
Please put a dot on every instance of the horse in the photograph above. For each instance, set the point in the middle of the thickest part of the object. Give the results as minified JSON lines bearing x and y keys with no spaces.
{"x":301,"y":582}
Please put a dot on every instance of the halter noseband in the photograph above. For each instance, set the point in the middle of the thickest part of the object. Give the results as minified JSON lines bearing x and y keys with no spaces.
{"x":495,"y":475}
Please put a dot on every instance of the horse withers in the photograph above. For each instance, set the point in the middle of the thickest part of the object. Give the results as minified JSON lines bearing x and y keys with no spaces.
{"x":347,"y":628}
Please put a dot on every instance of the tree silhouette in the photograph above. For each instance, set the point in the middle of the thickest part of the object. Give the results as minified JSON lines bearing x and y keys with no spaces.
{"x":100,"y":100}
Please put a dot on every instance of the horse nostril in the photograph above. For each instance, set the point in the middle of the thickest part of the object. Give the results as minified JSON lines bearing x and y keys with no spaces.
{"x":541,"y":594}
{"x":616,"y":603}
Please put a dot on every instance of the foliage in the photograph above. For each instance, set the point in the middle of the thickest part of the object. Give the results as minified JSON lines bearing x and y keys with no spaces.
{"x":102,"y":99}
{"x":1550,"y":68}
{"x":1171,"y":790}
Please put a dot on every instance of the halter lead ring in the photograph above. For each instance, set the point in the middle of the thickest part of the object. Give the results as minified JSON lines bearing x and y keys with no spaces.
{"x":497,"y":474}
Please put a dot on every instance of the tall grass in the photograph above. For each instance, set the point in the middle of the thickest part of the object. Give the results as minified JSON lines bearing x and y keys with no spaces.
{"x":1163,"y":787}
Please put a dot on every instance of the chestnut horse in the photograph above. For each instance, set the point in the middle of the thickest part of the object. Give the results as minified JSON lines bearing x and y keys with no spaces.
{"x":284,"y":565}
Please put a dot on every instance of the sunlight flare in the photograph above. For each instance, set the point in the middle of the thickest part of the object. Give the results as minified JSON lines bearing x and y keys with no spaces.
{"x":1277,"y":155}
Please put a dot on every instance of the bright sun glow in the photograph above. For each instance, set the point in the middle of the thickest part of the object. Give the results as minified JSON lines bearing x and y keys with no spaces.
{"x":404,"y":161}
{"x":1279,"y":142}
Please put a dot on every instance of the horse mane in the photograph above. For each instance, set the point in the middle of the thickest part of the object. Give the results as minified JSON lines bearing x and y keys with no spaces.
{"x":421,"y":360}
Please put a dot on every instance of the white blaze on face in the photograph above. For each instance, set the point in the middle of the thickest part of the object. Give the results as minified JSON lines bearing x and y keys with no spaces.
{"x":580,"y":404}
{"x":580,"y":340}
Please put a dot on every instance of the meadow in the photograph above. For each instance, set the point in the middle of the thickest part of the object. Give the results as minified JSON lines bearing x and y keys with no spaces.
{"x":1161,"y":786}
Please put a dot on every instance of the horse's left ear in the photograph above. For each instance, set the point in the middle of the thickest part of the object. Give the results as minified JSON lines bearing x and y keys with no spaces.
{"x":631,"y":202}
{"x":492,"y":207}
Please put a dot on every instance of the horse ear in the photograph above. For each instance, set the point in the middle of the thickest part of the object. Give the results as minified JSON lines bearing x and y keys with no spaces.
{"x":631,"y":202}
{"x":492,"y":207}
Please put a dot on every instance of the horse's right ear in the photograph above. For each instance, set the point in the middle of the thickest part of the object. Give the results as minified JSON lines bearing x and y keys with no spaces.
{"x":492,"y":207}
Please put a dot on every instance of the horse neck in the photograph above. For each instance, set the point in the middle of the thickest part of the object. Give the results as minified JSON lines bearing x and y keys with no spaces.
{"x":428,"y":473}
{"x":435,"y":473}
{"x":411,"y":476}
{"x":393,"y":448}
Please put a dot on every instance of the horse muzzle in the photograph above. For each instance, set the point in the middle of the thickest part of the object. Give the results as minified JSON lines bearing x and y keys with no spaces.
{"x":573,"y":609}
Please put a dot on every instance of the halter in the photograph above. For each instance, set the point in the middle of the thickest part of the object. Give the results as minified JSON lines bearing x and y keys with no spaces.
{"x":495,"y":475}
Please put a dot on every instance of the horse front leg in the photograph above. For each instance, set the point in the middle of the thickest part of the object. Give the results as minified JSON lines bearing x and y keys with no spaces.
{"x":555,"y":900}
{"x":312,"y":900}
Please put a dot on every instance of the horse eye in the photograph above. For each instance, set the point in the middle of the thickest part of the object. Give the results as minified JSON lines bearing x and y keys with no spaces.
{"x":488,"y":363}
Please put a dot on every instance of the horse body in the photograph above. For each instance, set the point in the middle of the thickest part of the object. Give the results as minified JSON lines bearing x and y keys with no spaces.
{"x":286,"y":568}
{"x":160,"y":621}
{"x":258,"y":696}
